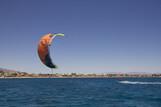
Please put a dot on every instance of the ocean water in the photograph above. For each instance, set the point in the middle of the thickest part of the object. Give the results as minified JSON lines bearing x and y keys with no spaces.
{"x":80,"y":92}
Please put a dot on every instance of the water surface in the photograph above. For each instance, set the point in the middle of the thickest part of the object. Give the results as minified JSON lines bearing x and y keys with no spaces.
{"x":83,"y":92}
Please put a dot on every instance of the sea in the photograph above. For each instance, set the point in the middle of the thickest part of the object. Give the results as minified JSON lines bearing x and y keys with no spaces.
{"x":80,"y":92}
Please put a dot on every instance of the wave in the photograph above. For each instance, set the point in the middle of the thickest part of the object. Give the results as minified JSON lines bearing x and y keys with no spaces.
{"x":138,"y":82}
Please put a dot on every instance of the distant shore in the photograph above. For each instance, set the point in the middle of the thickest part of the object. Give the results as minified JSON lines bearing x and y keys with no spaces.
{"x":15,"y":74}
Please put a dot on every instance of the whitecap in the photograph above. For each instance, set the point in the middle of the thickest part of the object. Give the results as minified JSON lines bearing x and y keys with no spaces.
{"x":138,"y":82}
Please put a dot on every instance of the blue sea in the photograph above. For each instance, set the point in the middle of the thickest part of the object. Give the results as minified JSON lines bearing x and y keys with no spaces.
{"x":80,"y":92}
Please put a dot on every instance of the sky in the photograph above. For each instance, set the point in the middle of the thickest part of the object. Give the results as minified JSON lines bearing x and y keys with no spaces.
{"x":101,"y":36}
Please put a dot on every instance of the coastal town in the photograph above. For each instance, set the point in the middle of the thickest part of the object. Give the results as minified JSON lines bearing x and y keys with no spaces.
{"x":5,"y":73}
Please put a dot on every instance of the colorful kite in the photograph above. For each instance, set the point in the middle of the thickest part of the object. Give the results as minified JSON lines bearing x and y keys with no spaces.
{"x":43,"y":49}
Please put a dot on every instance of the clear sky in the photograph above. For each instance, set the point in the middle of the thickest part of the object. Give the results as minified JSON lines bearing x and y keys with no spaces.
{"x":101,"y":36}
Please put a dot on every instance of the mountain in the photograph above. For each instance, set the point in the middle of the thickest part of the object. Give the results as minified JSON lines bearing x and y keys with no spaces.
{"x":7,"y":70}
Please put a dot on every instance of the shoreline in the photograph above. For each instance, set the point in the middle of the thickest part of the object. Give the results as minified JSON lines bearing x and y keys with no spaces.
{"x":71,"y":77}
{"x":16,"y":74}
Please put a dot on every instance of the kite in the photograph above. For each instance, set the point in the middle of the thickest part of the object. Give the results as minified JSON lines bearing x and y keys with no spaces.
{"x":43,"y":49}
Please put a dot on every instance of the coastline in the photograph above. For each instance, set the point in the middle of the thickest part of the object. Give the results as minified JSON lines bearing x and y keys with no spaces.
{"x":16,"y":74}
{"x":88,"y":77}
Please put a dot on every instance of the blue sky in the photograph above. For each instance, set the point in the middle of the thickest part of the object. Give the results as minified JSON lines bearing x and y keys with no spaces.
{"x":101,"y":36}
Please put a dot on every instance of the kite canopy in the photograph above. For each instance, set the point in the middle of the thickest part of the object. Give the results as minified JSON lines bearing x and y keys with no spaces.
{"x":43,"y":49}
